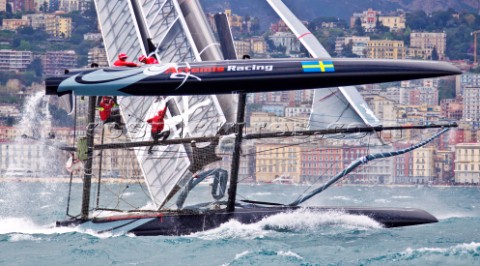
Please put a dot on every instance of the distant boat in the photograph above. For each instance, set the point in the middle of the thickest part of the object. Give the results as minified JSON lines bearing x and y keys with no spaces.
{"x":284,"y":180}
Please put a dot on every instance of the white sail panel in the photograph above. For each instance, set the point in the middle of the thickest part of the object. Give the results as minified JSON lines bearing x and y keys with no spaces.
{"x":161,"y":21}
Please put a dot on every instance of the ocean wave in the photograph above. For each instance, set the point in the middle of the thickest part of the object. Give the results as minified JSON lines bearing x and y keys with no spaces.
{"x":23,"y":237}
{"x":447,"y":255}
{"x":452,"y":215}
{"x":468,"y":249}
{"x":402,"y":197}
{"x":382,"y":201}
{"x":251,"y":257}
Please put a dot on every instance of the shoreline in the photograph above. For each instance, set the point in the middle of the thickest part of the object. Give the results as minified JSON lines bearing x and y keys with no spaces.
{"x":75,"y":180}
{"x":79,"y":180}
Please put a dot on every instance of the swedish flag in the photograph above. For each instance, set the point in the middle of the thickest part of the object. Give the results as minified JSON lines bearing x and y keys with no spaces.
{"x":320,"y":66}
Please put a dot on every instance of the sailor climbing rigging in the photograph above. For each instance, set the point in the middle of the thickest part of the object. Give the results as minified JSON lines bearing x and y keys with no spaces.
{"x":157,"y":123}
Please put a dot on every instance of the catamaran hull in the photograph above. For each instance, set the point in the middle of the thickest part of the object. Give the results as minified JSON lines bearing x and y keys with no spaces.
{"x":186,"y":223}
{"x":246,"y":76}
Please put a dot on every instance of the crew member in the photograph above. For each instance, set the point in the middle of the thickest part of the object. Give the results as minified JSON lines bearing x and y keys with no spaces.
{"x":105,"y":109}
{"x":148,"y":60}
{"x":122,"y":61}
{"x":157,"y":123}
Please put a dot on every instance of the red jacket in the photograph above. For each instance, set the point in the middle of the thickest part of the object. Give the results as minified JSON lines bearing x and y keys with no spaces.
{"x":151,"y":60}
{"x":157,"y":121}
{"x":124,"y":63}
{"x":106,"y":108}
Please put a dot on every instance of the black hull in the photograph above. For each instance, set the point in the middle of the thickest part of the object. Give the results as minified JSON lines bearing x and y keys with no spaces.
{"x":184,"y":223}
{"x":246,"y":76}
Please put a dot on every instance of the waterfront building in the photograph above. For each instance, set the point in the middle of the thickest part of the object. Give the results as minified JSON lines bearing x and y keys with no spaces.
{"x":384,"y":109}
{"x":37,"y":20}
{"x":279,"y":26}
{"x":320,"y":162}
{"x":14,"y":24}
{"x":423,"y":43}
{"x":92,"y":37}
{"x":386,"y":49}
{"x":467,"y":163}
{"x":274,"y":160}
{"x":298,"y":111}
{"x":368,"y":19}
{"x":466,"y":80}
{"x":12,"y":60}
{"x":375,"y":172}
{"x":471,"y":104}
{"x":423,"y":165}
{"x":258,"y":45}
{"x":234,"y":20}
{"x":21,"y":157}
{"x":57,"y":61}
{"x":265,"y":122}
{"x":452,"y":109}
{"x":419,"y":96}
{"x":69,"y":5}
{"x":444,"y":166}
{"x":242,"y":48}
{"x":403,"y":165}
{"x":58,"y":27}
{"x":8,"y":111}
{"x":276,"y":109}
{"x":394,"y":23}
{"x":98,"y":55}
{"x":359,"y":44}
{"x":287,"y":40}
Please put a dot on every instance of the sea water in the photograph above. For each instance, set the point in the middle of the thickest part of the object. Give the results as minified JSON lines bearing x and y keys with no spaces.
{"x":28,"y":212}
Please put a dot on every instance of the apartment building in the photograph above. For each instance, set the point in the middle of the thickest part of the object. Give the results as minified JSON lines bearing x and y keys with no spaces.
{"x":386,"y":49}
{"x":467,"y":163}
{"x":18,"y":61}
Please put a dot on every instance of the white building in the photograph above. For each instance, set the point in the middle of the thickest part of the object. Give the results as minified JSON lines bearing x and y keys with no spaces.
{"x":11,"y":60}
{"x":471,"y":104}
{"x":467,"y":163}
{"x":297,"y":111}
{"x":287,"y":40}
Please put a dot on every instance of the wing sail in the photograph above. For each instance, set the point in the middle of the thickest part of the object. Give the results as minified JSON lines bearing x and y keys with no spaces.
{"x":349,"y":104}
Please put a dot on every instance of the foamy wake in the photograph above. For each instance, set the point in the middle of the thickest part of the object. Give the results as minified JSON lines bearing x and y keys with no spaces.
{"x":297,"y":221}
{"x":24,"y":229}
{"x":18,"y":226}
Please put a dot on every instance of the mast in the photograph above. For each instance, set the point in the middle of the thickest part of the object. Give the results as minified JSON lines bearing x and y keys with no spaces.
{"x":87,"y":181}
{"x":232,"y":190}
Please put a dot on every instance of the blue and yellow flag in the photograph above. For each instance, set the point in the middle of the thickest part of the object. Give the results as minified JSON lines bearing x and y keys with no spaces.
{"x":320,"y":66}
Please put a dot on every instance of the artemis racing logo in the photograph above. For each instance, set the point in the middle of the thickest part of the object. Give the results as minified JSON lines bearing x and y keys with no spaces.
{"x":250,"y":68}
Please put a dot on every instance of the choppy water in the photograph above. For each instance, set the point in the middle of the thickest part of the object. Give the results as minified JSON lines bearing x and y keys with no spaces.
{"x":28,"y":212}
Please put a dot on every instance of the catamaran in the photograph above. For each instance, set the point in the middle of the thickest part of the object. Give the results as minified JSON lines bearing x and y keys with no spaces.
{"x":211,"y":88}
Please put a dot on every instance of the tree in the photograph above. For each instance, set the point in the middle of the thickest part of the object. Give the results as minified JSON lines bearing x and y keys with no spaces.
{"x":24,"y":46}
{"x":357,"y":28}
{"x":36,"y":66}
{"x":417,"y":20}
{"x":348,"y":50}
{"x":434,"y":54}
{"x":446,"y":89}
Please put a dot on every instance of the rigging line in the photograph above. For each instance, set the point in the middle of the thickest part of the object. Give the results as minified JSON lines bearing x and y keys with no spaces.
{"x":331,"y":166}
{"x":364,"y":160}
{"x":281,"y":147}
{"x":120,"y":197}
